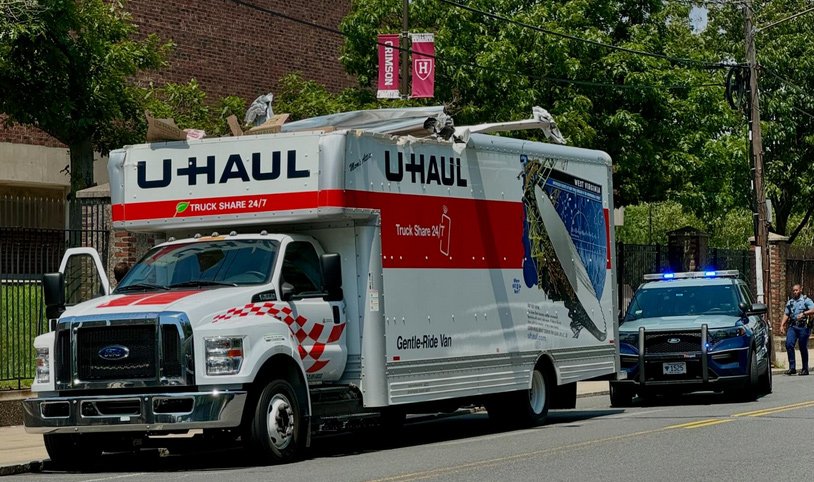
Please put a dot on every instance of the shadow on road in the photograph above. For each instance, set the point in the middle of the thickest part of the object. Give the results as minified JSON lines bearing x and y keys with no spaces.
{"x":198,"y":455}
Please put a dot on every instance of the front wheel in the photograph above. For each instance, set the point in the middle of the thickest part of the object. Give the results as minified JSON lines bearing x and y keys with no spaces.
{"x":278,"y":429}
{"x":73,"y":451}
{"x":620,"y":396}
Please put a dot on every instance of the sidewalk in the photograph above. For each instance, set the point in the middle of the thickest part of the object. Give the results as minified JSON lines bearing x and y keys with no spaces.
{"x":22,"y":452}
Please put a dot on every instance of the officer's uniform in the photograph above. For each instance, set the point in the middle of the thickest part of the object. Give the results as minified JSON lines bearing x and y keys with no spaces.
{"x":799,"y":330}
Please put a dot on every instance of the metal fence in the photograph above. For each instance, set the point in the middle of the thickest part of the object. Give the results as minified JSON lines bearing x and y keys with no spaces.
{"x":25,"y":254}
{"x":633,"y":261}
{"x":800,"y":269}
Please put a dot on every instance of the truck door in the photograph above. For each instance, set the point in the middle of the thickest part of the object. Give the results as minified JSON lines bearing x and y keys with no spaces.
{"x":84,"y":275}
{"x":318,"y":325}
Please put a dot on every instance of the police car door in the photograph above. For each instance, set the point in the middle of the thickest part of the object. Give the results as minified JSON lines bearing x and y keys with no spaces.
{"x":318,"y":325}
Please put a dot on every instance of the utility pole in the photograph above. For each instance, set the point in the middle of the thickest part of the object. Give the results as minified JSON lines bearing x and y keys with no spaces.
{"x":405,"y":50}
{"x":756,"y":148}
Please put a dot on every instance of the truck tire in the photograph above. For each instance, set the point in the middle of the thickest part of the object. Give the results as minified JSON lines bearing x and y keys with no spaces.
{"x":73,"y":451}
{"x":278,"y":430}
{"x":525,"y":407}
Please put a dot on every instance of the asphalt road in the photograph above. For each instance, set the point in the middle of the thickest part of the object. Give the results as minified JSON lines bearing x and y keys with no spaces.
{"x":701,"y":436}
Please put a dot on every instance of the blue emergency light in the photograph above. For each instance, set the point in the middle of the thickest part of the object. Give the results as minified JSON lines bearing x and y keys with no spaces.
{"x":727,"y":273}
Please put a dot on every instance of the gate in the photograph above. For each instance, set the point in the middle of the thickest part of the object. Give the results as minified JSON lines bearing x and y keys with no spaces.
{"x":26,"y":252}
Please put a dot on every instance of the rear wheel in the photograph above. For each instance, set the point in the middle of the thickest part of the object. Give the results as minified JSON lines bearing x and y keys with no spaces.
{"x":73,"y":451}
{"x":526,"y":407}
{"x":278,"y":429}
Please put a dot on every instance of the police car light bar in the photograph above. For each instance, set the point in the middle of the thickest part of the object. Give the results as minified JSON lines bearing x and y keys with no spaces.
{"x":727,"y":273}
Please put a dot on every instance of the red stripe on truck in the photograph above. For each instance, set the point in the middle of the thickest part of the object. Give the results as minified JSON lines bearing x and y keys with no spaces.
{"x":418,"y":231}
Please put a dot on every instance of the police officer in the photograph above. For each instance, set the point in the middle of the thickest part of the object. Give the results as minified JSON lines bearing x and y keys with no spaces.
{"x":795,"y":323}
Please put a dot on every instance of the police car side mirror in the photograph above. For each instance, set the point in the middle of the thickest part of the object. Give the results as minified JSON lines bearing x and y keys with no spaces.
{"x":753,"y":309}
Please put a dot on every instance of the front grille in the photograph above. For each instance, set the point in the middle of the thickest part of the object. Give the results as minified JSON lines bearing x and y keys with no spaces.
{"x":171,"y":362}
{"x":140,"y":340}
{"x":62,"y":358}
{"x":658,"y":343}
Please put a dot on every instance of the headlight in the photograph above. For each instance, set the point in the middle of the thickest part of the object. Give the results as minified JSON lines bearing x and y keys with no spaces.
{"x":715,"y":336}
{"x":43,"y":365}
{"x":629,"y":338}
{"x":224,"y":355}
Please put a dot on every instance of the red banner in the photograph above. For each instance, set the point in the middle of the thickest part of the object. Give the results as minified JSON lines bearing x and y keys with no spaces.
{"x":423,"y":65}
{"x":388,"y":67}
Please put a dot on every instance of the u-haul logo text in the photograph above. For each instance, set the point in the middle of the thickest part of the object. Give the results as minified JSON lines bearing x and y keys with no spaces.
{"x":441,"y":170}
{"x":208,"y":171}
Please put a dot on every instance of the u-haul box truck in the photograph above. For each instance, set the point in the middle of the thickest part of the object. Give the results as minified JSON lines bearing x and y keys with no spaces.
{"x":340,"y":273}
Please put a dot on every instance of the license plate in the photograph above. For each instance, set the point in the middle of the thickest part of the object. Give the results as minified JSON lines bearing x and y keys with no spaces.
{"x":677,"y":368}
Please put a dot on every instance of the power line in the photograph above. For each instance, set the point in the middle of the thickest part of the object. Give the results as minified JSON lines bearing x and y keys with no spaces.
{"x":443,"y":60}
{"x":677,"y":60}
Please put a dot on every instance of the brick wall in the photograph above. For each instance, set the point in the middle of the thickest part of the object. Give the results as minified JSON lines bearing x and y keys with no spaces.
{"x":778,"y":253}
{"x":233,"y":50}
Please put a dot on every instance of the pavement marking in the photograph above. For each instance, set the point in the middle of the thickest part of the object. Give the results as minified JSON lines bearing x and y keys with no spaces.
{"x":698,"y":423}
{"x":782,"y":408}
{"x":442,"y":471}
{"x":500,"y":460}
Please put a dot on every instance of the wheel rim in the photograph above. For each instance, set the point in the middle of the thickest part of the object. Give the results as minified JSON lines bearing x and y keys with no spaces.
{"x":537,"y":393}
{"x":280,"y":422}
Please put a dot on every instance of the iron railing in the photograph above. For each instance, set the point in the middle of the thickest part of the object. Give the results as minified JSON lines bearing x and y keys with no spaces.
{"x":26,"y":252}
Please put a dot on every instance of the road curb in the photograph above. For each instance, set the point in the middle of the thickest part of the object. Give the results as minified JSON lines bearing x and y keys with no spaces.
{"x":15,"y":469}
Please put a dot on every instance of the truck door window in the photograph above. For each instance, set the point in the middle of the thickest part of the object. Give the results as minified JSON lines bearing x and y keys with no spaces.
{"x":301,"y":269}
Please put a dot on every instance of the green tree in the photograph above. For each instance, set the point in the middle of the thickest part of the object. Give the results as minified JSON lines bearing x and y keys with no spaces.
{"x":188,"y":106}
{"x":663,"y":120}
{"x":785,"y":55}
{"x":65,"y":68}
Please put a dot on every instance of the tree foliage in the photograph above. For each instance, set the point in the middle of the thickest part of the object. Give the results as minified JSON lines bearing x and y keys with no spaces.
{"x":785,"y":55}
{"x":65,"y":67}
{"x":664,"y":121}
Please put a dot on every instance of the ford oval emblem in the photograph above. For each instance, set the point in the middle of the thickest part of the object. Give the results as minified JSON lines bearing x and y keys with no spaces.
{"x":673,"y":340}
{"x":114,"y":352}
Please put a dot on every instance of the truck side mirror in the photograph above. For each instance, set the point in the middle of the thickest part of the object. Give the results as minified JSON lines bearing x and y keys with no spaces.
{"x":331,"y":276}
{"x":53,"y":290}
{"x":286,"y":291}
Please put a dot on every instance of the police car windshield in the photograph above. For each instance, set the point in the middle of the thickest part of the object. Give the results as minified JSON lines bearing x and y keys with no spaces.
{"x":211,"y":263}
{"x":683,"y":301}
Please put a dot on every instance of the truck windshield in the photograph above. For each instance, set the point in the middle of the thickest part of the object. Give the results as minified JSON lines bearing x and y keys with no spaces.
{"x":683,"y":301}
{"x":231,"y":262}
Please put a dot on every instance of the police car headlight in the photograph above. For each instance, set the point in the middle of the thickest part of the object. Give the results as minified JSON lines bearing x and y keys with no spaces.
{"x":43,"y":362}
{"x":224,"y":355}
{"x":715,"y":336}
{"x":629,"y":338}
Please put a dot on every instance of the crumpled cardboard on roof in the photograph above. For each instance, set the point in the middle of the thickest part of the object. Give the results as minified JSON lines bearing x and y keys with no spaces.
{"x":166,"y":130}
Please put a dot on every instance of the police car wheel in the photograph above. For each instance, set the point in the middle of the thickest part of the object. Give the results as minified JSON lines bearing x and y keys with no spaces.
{"x":620,"y":396}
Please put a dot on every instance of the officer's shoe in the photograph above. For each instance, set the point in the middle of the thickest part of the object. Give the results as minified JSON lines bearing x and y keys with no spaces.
{"x":803,"y":372}
{"x":790,"y":371}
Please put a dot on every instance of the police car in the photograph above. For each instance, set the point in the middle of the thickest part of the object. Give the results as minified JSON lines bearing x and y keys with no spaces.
{"x":693,"y":331}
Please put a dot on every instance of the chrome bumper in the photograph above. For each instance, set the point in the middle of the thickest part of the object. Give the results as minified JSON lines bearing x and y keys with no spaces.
{"x":134,"y":413}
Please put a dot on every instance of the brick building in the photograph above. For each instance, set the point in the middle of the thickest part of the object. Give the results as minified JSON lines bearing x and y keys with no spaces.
{"x":228,"y":48}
